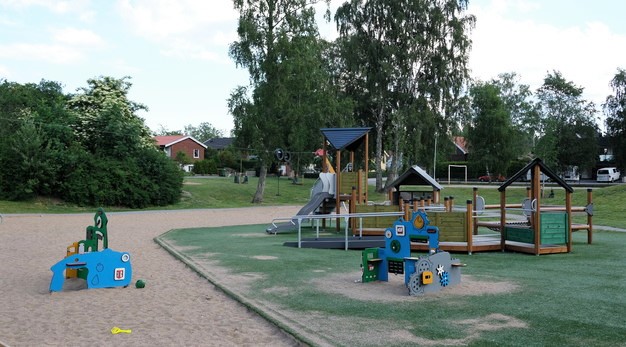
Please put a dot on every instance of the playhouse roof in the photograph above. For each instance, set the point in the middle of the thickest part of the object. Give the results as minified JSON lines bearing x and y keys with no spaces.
{"x":416,"y":176}
{"x":345,"y":138}
{"x":544,"y":169}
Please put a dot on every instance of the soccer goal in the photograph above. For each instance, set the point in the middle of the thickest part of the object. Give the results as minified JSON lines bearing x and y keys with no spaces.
{"x":456,"y":167}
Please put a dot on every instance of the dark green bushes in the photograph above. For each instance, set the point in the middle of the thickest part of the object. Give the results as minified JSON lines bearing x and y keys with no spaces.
{"x":86,"y":149}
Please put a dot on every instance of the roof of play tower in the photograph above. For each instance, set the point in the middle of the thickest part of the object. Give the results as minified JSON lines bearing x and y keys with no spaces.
{"x":345,"y":138}
{"x":415,"y":175}
{"x":543,"y":168}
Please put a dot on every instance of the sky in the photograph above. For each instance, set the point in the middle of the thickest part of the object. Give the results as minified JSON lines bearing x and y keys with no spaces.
{"x":176,"y":51}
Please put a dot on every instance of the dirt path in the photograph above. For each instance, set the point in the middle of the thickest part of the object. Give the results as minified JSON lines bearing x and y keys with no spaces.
{"x":177,"y":307}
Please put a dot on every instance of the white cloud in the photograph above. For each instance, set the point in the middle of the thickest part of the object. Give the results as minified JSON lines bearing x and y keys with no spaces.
{"x":185,"y":29}
{"x":77,"y":37}
{"x":68,"y":46}
{"x":587,"y":54}
{"x":4,"y":72}
{"x":123,"y":67}
{"x":56,"y":6}
{"x":160,"y":19}
{"x":223,"y":38}
{"x":7,"y":21}
{"x":40,"y":52}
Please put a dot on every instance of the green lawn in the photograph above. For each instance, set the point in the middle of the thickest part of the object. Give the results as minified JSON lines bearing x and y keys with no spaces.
{"x":222,"y":192}
{"x":574,"y":299}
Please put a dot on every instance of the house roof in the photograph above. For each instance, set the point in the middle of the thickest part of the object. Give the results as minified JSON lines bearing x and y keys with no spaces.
{"x":167,"y":141}
{"x":415,"y":176}
{"x":543,"y":169}
{"x":219,"y":142}
{"x":460,"y":143}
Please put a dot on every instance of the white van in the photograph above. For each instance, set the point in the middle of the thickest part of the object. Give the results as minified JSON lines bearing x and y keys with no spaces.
{"x":571,"y":174}
{"x":608,"y":174}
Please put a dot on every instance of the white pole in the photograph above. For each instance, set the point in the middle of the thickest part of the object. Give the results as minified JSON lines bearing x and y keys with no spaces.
{"x":435,"y":160}
{"x":299,"y":233}
{"x":347,"y":232}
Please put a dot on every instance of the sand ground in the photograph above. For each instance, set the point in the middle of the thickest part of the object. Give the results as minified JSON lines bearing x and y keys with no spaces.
{"x":176,"y":308}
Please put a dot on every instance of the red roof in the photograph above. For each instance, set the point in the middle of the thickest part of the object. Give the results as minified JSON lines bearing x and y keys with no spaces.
{"x":461,"y":144}
{"x":166,"y":140}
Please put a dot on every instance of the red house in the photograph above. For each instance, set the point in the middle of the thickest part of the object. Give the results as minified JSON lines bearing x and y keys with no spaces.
{"x":171,"y":145}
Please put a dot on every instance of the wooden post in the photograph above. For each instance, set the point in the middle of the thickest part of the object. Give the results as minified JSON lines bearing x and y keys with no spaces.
{"x":367,"y":160}
{"x":407,"y":212}
{"x":436,"y":196}
{"x":536,"y":216}
{"x":359,"y":184}
{"x":469,"y":227}
{"x":338,"y":186}
{"x":568,"y":211}
{"x":451,"y":204}
{"x":502,"y":219}
{"x":445,"y":203}
{"x":589,"y":216}
{"x":475,"y":216}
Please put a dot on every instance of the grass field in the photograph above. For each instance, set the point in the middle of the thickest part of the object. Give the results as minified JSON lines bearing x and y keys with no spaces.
{"x":506,"y":299}
{"x":222,"y":192}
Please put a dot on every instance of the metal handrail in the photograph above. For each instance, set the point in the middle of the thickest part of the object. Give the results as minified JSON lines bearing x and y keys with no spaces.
{"x":346,"y":216}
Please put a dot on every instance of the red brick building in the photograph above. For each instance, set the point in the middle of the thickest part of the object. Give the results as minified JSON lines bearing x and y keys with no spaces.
{"x":171,"y":145}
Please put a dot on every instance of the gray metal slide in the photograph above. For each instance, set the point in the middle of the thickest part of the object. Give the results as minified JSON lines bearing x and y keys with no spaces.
{"x":316,"y":200}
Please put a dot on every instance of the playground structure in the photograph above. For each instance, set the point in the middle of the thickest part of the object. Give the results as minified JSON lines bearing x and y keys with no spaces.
{"x":99,"y":268}
{"x":336,"y":187}
{"x":424,"y":274}
{"x":528,"y":227}
{"x":406,"y":189}
{"x":534,"y":229}
{"x":548,"y":228}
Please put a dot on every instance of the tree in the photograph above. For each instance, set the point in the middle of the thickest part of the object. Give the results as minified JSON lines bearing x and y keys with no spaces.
{"x":289,"y":85}
{"x":568,"y":128}
{"x":163,"y":131}
{"x":203,"y":132}
{"x":524,"y":112}
{"x":407,"y":63}
{"x":615,"y":111}
{"x":107,"y":120}
{"x":34,"y":137}
{"x":489,"y":135}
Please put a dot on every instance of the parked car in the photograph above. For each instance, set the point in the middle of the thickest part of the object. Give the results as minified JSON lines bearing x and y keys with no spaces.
{"x":608,"y":174}
{"x":491,"y":178}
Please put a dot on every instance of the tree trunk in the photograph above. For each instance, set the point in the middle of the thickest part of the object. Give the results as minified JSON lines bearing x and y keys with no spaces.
{"x":260,"y":188}
{"x":379,"y":152}
{"x":397,"y":158}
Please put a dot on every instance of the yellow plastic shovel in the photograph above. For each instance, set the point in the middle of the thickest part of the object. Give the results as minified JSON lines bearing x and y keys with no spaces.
{"x":116,"y":330}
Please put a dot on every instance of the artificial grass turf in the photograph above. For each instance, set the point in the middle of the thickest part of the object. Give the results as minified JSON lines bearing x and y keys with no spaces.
{"x":561,"y":299}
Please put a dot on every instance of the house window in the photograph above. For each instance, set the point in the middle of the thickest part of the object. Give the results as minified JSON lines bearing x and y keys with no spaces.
{"x":196,"y":153}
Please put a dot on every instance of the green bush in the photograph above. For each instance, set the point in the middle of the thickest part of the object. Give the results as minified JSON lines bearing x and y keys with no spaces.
{"x":205,"y":167}
{"x":147,"y":180}
{"x":87,"y":148}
